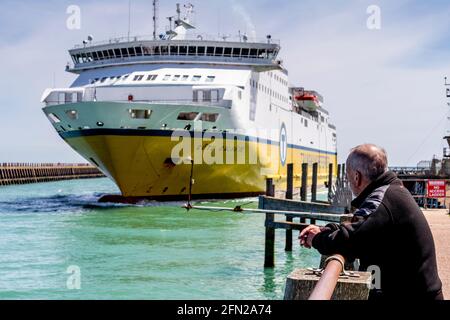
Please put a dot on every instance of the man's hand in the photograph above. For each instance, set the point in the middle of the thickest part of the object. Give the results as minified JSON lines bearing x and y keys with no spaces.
{"x":307,"y":235}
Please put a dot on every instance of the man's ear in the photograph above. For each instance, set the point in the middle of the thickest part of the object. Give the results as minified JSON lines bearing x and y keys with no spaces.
{"x":358,"y":178}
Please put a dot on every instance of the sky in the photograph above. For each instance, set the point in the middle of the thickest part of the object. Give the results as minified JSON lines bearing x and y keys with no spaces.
{"x":382,"y":86}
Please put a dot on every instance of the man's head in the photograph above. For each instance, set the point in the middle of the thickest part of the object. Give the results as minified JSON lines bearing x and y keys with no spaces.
{"x":365,"y":164}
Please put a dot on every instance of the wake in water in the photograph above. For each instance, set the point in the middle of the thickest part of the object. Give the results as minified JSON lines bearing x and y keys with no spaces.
{"x":75,"y":196}
{"x":54,"y":203}
{"x":63,"y":203}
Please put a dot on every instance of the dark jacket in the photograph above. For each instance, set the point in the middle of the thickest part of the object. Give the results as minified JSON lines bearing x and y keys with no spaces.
{"x":388,"y":230}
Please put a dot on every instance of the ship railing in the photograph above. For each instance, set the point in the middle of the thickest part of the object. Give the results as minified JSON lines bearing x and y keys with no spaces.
{"x":53,"y":97}
{"x":213,"y":103}
{"x":189,"y":37}
{"x":63,"y":96}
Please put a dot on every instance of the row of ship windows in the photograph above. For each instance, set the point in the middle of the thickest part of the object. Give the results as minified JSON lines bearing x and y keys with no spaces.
{"x":267,"y":90}
{"x":183,"y":116}
{"x":319,"y":119}
{"x":153,"y":77}
{"x":198,"y":96}
{"x":278,"y":78}
{"x":174,"y":51}
{"x":146,"y":114}
{"x":176,"y":77}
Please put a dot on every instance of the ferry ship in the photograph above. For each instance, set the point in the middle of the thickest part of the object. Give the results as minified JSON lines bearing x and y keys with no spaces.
{"x":132,"y":94}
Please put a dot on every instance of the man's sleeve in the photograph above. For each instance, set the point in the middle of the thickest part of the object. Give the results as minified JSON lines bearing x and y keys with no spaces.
{"x":350,"y":239}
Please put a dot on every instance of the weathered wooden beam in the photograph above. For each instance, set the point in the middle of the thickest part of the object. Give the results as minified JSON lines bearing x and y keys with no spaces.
{"x":290,"y":181}
{"x":269,"y":250}
{"x":289,"y":195}
{"x":304,"y":185}
{"x":315,"y":169}
{"x":269,"y":187}
{"x":292,"y":205}
{"x":330,"y":181}
{"x":286,"y":225}
{"x":288,"y":240}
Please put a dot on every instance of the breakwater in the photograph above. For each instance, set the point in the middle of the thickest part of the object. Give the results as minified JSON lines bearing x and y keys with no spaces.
{"x":25,"y":173}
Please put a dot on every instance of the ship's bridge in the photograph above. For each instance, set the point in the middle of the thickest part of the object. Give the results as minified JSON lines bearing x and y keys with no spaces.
{"x":125,"y":51}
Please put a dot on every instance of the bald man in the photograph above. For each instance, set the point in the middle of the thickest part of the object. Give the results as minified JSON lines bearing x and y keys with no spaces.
{"x":388,"y":230}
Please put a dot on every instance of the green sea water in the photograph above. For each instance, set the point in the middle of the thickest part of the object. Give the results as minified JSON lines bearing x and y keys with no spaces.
{"x":149,"y":251}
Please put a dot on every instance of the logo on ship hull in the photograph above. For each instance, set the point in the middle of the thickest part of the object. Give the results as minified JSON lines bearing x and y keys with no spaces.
{"x":283,"y":144}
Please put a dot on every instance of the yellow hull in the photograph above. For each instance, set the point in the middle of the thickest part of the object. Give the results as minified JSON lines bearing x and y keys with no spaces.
{"x":139,"y":165}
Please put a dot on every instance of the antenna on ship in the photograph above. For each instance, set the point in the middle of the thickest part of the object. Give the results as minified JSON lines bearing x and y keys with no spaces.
{"x":129,"y":19}
{"x":448,"y":89}
{"x":181,"y":25}
{"x":155,"y":18}
{"x":446,"y":155}
{"x":170,"y":32}
{"x":178,"y":11}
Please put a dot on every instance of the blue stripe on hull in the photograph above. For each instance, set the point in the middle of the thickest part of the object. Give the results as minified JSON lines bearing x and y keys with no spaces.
{"x":168,"y":133}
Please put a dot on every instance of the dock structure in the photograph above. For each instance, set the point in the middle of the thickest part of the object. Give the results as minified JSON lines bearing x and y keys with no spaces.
{"x":421,"y":181}
{"x":335,"y":210}
{"x":25,"y":173}
{"x":330,"y":280}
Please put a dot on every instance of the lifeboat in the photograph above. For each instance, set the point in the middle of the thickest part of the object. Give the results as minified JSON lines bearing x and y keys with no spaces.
{"x":308,"y":101}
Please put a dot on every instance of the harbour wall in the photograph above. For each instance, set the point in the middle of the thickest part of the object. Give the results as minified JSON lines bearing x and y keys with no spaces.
{"x":25,"y":173}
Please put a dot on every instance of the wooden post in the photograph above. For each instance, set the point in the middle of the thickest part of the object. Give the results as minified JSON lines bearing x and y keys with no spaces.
{"x":330,"y":181}
{"x":289,"y":195}
{"x":269,"y":187}
{"x":290,"y":181}
{"x":314,"y":182}
{"x":304,"y":186}
{"x":269,"y":254}
{"x":339,"y":172}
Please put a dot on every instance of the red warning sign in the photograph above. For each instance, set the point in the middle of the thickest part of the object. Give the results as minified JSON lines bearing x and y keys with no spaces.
{"x":436,"y":189}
